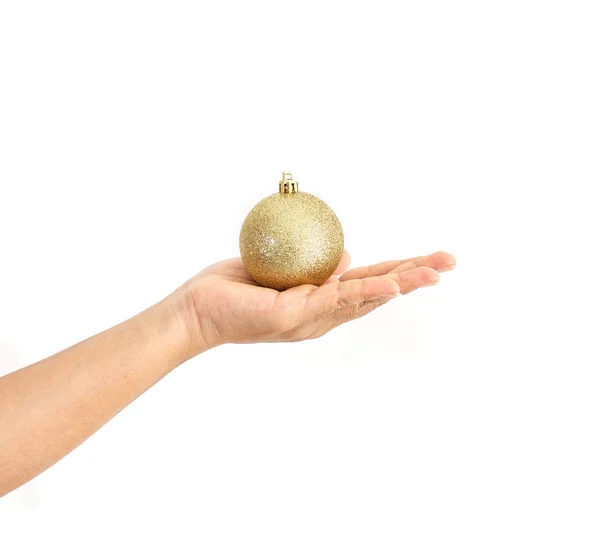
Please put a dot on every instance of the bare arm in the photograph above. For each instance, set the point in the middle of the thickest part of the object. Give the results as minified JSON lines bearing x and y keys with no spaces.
{"x":50,"y":407}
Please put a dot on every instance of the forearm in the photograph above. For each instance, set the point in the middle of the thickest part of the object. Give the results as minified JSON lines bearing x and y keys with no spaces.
{"x":50,"y":407}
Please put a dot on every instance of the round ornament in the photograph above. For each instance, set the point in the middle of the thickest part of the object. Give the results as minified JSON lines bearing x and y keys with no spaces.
{"x":291,"y":238}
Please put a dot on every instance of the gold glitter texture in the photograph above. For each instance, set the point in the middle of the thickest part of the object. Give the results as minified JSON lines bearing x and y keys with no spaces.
{"x":291,"y":239}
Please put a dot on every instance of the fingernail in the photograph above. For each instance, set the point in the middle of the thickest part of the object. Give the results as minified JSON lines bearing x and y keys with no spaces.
{"x":430,"y":284}
{"x":447,"y":268}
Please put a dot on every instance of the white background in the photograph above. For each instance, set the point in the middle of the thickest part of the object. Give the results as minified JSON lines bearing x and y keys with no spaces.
{"x":461,"y":421}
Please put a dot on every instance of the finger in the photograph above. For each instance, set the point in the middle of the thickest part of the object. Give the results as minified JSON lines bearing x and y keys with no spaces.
{"x":440,"y":261}
{"x":318,"y":328}
{"x":331,"y":296}
{"x":342,"y":267}
{"x":407,"y":281}
{"x":348,"y":314}
{"x":309,"y":303}
{"x":344,"y":264}
{"x":410,"y":280}
{"x":401,"y":268}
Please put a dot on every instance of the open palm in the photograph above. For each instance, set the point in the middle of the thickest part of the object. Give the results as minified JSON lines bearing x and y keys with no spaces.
{"x":232,"y":308}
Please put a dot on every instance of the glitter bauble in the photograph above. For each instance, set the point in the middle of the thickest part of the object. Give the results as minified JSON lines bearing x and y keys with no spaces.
{"x":291,"y":238}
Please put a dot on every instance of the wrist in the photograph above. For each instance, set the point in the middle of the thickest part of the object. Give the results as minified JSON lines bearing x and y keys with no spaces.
{"x":177,"y":325}
{"x":195,"y":316}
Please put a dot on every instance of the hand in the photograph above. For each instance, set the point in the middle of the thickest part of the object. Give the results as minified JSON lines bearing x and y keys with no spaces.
{"x":228,"y":306}
{"x":50,"y":407}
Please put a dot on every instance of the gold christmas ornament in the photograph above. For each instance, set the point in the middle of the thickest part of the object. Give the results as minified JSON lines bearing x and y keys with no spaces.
{"x":291,"y":238}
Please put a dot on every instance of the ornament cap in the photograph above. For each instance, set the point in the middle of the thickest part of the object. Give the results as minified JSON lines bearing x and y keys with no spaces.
{"x":287,"y":184}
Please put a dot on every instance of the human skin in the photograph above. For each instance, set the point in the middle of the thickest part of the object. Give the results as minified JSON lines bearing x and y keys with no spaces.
{"x":49,"y":408}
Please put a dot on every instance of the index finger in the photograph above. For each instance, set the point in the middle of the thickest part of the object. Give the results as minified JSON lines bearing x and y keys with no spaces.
{"x":440,"y":261}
